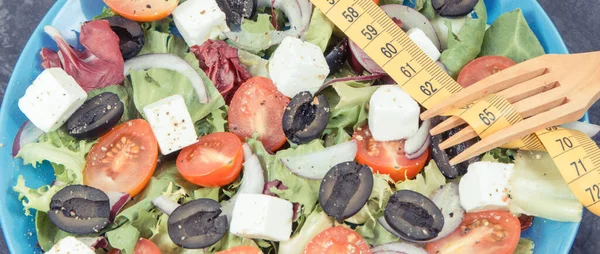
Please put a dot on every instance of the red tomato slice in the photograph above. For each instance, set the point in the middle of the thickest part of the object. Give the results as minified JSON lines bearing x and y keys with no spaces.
{"x":481,"y":68}
{"x":257,"y":107}
{"x":387,"y":157}
{"x":487,"y":232}
{"x":123,"y":160}
{"x":337,"y":240}
{"x":143,"y":10}
{"x":241,"y":250}
{"x":216,"y":160}
{"x":143,"y":246}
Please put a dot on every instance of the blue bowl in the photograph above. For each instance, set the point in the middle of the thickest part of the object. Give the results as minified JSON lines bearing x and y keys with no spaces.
{"x":19,"y":230}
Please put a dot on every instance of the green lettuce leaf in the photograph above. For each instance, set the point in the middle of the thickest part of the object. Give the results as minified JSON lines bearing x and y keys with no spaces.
{"x":215,"y":122}
{"x":466,"y":45}
{"x":426,"y":182}
{"x":315,"y":223}
{"x":152,"y":85}
{"x":320,"y":30}
{"x":129,"y":111}
{"x":256,"y":65}
{"x":38,"y":199}
{"x":525,"y":246}
{"x":335,"y":136}
{"x":378,"y":199}
{"x":65,"y":153}
{"x":143,"y":201}
{"x":261,"y":25}
{"x":536,"y":184}
{"x":106,"y":13}
{"x":427,"y":10}
{"x":375,"y":234}
{"x":47,"y":234}
{"x":123,"y":238}
{"x":300,"y":190}
{"x":511,"y":36}
{"x":348,"y":101}
{"x":501,"y":155}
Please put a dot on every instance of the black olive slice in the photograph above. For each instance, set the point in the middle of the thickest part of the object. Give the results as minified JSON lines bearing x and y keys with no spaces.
{"x":442,"y":157}
{"x":453,"y":8}
{"x":197,"y":224}
{"x":413,"y":216}
{"x":345,"y":189}
{"x":236,"y":11}
{"x":337,"y":55}
{"x":131,"y":35}
{"x":305,"y":117}
{"x":80,"y":209}
{"x":96,"y":116}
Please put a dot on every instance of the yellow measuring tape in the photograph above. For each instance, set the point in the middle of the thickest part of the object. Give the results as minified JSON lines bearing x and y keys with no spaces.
{"x":576,"y":155}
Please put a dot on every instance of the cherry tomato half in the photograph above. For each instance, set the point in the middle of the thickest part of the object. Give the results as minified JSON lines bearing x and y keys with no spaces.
{"x":123,"y":160}
{"x":215,"y":160}
{"x":487,"y":232}
{"x":339,"y":240}
{"x":143,"y":10}
{"x":241,"y":250}
{"x":481,"y":68}
{"x":143,"y":246}
{"x":387,"y":157}
{"x":257,"y":107}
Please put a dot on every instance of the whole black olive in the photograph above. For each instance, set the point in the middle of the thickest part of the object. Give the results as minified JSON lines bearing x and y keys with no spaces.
{"x":237,"y":10}
{"x":442,"y":157}
{"x":345,"y":189}
{"x":453,"y":8}
{"x":131,"y":35}
{"x":197,"y":224}
{"x":337,"y":55}
{"x":413,"y":216}
{"x":80,"y":209}
{"x":96,"y":116}
{"x":305,"y":117}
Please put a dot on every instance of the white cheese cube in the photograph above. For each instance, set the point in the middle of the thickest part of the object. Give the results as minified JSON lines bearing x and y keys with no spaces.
{"x":393,"y":114}
{"x":70,"y":245}
{"x":298,"y":66}
{"x":420,"y":38}
{"x":262,"y":217}
{"x":485,"y":186}
{"x":199,"y":20}
{"x":52,"y":98}
{"x":171,"y":123}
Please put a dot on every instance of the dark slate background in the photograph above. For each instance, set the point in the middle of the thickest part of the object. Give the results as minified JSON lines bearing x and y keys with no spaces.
{"x":577,"y":20}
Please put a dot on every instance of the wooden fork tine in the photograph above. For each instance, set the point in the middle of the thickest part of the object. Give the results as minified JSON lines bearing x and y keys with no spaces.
{"x":459,"y":137}
{"x":533,"y":105}
{"x":502,"y":80}
{"x":448,"y":124}
{"x":562,"y":114}
{"x":517,"y":93}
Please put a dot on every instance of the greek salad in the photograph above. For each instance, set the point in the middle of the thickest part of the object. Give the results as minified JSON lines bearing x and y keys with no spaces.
{"x":256,"y":126}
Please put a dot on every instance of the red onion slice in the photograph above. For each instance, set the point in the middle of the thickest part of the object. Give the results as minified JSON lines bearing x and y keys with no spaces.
{"x":27,"y":133}
{"x":117,"y":202}
{"x":165,"y":205}
{"x":315,"y":165}
{"x":448,"y":200}
{"x":170,"y":62}
{"x":253,"y":182}
{"x":397,"y":248}
{"x":589,"y":129}
{"x":421,"y":151}
{"x":364,"y":60}
{"x":414,"y":143}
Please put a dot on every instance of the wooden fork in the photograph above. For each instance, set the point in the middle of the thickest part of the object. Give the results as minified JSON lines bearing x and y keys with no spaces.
{"x":548,"y":90}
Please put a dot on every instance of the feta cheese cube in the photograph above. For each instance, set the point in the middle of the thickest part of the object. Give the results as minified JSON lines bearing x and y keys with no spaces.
{"x":52,"y":98}
{"x":262,"y":216}
{"x":70,"y":245}
{"x":420,"y":38}
{"x":199,"y":20}
{"x":297,"y":66}
{"x":393,"y":114}
{"x":485,"y":186}
{"x":171,"y":123}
